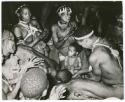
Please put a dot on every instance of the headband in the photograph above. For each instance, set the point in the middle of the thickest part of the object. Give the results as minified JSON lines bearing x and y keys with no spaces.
{"x":63,"y":9}
{"x":86,"y":36}
{"x":20,"y":7}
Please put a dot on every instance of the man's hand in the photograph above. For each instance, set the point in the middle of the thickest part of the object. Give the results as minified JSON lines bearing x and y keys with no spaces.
{"x":57,"y":92}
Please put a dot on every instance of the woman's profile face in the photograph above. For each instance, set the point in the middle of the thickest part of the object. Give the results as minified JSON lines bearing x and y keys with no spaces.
{"x":25,"y":14}
{"x":65,"y":17}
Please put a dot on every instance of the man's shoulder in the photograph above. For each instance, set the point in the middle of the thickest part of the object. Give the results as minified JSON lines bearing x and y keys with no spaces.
{"x":99,"y":53}
{"x":101,"y":50}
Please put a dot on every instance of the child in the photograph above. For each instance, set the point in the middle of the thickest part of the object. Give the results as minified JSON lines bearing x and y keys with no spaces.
{"x":72,"y":61}
{"x":63,"y":76}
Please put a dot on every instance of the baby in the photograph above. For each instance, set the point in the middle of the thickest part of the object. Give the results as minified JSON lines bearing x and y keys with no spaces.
{"x":72,"y":61}
{"x":63,"y":76}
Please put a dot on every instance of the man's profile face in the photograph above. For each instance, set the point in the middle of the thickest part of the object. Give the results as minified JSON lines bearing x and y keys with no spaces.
{"x":65,"y":16}
{"x":85,"y":43}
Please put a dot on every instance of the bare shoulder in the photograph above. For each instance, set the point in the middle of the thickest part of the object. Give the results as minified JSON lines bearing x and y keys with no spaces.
{"x":17,"y":28}
{"x":99,"y":54}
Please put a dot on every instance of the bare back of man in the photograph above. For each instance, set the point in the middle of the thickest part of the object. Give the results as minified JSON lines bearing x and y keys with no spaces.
{"x":106,"y":66}
{"x":106,"y":76}
{"x":106,"y":79}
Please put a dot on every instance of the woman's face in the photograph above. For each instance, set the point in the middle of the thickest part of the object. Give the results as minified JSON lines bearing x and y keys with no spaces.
{"x":26,"y":14}
{"x":65,"y":17}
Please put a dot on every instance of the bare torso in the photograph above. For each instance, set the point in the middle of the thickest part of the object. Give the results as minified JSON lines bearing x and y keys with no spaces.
{"x":111,"y":72}
{"x":59,"y":33}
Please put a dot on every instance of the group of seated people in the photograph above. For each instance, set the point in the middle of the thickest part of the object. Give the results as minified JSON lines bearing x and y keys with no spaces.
{"x":73,"y":64}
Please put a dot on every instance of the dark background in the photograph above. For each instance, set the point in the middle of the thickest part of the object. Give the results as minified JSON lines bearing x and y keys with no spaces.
{"x":45,"y":12}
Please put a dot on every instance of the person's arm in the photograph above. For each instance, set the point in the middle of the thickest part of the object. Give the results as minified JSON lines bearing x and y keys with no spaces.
{"x":55,"y":38}
{"x":80,"y":72}
{"x":58,"y":43}
{"x":34,"y":42}
{"x":52,"y":64}
{"x":17,"y":32}
{"x":12,"y":95}
{"x":95,"y":62}
{"x":66,"y":61}
{"x":39,"y":37}
{"x":79,"y":62}
{"x":84,"y":64}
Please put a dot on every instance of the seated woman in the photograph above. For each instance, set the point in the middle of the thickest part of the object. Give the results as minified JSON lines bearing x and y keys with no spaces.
{"x":62,"y":31}
{"x":25,"y":32}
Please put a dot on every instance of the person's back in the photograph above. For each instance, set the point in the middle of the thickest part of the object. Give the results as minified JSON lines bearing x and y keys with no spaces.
{"x":111,"y":73}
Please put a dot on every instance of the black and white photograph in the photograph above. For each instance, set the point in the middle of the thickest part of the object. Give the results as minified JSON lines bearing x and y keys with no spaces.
{"x":62,"y":50}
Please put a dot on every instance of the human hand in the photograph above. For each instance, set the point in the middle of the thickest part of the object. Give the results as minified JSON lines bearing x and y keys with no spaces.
{"x":44,"y":34}
{"x":57,"y":92}
{"x":87,"y":76}
{"x":70,"y":34}
{"x":75,"y":75}
{"x":33,"y":62}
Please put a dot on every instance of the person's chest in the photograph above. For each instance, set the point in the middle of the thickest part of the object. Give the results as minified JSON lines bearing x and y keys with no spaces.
{"x":71,"y":61}
{"x":27,"y":33}
{"x":61,"y":33}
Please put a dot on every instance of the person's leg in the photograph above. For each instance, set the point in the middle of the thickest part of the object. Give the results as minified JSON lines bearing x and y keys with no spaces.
{"x":96,"y":88}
